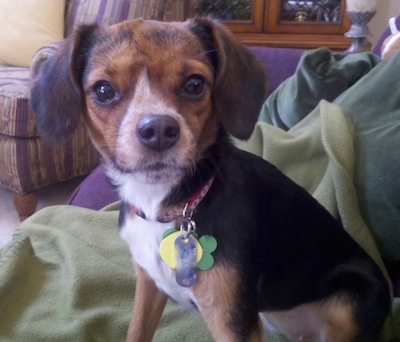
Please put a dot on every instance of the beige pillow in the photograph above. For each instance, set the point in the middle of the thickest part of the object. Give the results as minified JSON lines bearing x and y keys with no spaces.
{"x":27,"y":25}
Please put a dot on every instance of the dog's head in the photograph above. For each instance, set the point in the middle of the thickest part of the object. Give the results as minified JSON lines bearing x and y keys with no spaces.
{"x":153,"y":95}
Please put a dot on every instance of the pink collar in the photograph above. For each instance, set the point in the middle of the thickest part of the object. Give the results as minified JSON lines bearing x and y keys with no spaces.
{"x":176,"y":212}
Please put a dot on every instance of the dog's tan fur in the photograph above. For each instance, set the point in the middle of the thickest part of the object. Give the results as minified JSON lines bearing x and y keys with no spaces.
{"x":147,"y":309}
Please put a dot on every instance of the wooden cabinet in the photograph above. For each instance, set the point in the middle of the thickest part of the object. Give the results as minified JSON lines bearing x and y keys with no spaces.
{"x":284,"y":23}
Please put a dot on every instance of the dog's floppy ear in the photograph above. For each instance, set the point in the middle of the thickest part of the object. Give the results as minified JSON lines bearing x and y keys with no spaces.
{"x":240,"y":80}
{"x":56,"y":90}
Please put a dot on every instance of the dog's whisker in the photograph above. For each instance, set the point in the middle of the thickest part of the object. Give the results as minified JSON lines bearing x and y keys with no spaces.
{"x":207,"y":52}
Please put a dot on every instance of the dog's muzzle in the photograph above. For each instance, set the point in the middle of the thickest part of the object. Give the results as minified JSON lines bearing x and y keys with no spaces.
{"x":158,"y":132}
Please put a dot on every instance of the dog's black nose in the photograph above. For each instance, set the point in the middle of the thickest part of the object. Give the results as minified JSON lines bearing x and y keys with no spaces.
{"x":158,"y":132}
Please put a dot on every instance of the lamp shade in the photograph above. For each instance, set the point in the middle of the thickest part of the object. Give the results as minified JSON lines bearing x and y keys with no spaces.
{"x":361,"y":5}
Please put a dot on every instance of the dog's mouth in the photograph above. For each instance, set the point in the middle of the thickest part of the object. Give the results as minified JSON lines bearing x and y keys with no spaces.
{"x":158,"y":169}
{"x":153,"y":171}
{"x":153,"y":167}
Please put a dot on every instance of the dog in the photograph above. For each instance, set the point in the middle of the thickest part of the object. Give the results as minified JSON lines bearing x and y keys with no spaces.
{"x":214,"y":228}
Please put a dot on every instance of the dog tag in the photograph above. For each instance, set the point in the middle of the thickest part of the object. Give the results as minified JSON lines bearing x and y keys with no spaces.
{"x":168,"y":250}
{"x":208,"y":245}
{"x":182,"y":251}
{"x":185,"y":246}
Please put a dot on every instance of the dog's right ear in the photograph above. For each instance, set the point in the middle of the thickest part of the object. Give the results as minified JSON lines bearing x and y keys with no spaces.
{"x":57,"y":99}
{"x":240,"y":79}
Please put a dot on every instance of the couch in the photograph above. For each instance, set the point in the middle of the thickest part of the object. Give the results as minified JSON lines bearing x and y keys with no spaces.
{"x":26,"y":162}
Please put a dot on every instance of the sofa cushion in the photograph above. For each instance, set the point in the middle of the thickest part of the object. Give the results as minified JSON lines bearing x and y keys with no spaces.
{"x":25,"y":26}
{"x":15,"y":119}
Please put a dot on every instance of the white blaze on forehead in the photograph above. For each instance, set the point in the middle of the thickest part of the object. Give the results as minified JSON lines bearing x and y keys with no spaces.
{"x":145,"y":100}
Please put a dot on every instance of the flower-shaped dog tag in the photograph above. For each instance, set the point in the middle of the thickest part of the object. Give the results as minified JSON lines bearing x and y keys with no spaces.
{"x":208,"y":245}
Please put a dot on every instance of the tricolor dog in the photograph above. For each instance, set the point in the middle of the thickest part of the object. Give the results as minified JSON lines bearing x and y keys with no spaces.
{"x":215,"y":229}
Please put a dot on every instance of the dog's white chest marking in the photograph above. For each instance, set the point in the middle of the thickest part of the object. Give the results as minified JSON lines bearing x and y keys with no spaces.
{"x":144,"y":238}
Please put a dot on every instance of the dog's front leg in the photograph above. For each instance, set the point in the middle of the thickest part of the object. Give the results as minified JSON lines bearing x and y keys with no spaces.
{"x":148,"y":306}
{"x":220,"y":299}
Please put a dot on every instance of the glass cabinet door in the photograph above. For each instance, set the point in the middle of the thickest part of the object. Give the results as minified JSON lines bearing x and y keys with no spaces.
{"x":289,"y":23}
{"x":320,"y":11}
{"x":225,"y":9}
{"x":238,"y":15}
{"x":306,"y":16}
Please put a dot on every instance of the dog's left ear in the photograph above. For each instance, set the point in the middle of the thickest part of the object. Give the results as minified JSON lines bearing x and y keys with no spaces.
{"x":56,"y":93}
{"x":240,"y":78}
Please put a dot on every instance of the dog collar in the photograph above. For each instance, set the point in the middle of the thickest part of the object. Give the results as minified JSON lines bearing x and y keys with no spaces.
{"x":176,"y":212}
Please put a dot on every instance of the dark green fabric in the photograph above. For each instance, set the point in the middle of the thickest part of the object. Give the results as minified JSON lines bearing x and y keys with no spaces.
{"x":320,"y":75}
{"x":373,"y":106}
{"x":368,"y":91}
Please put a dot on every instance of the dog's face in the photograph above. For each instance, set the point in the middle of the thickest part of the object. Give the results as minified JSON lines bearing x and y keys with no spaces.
{"x":149,"y":99}
{"x":153,"y":95}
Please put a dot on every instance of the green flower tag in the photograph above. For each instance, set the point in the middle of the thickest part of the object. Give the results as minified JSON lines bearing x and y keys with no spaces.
{"x":209,"y":245}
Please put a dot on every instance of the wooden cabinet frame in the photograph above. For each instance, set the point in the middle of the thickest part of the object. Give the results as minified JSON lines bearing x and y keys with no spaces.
{"x":266,"y":29}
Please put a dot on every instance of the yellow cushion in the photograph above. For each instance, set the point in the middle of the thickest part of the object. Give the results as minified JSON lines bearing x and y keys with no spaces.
{"x":27,"y":25}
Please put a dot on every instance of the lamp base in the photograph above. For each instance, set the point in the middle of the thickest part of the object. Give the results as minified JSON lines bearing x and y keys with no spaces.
{"x":357,"y":45}
{"x":359,"y":30}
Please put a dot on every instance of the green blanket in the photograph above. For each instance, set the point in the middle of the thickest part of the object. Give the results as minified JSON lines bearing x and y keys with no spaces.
{"x":67,"y":276}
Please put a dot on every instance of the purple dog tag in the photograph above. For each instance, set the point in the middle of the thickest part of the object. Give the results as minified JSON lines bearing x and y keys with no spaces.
{"x":185,"y":260}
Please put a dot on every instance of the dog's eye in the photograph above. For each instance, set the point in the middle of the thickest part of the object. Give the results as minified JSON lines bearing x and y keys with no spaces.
{"x":104,"y":92}
{"x":195,"y":85}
